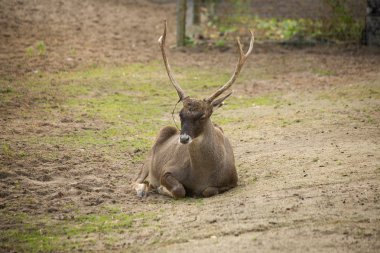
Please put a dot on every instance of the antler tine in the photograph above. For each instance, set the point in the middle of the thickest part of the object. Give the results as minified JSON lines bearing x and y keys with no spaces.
{"x":161,"y":41}
{"x":242,"y":58}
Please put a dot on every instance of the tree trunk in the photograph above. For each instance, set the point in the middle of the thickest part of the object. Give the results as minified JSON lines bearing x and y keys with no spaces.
{"x":197,"y":12}
{"x":189,"y":13}
{"x":193,"y":12}
{"x":181,"y":22}
{"x":372,"y":23}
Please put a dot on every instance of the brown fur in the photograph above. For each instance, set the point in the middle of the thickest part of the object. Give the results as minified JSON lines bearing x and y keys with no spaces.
{"x":204,"y":167}
{"x":165,"y":134}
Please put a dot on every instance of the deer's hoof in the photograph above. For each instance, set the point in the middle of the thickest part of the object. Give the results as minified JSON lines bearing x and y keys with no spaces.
{"x":141,"y":190}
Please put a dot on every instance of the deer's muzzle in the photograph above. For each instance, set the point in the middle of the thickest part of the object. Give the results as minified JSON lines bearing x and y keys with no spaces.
{"x":184,"y":138}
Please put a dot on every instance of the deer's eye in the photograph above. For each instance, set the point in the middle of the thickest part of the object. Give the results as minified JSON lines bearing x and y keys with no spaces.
{"x":199,"y":116}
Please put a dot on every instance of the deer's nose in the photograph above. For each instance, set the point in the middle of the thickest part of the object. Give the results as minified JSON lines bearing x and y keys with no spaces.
{"x":184,"y":138}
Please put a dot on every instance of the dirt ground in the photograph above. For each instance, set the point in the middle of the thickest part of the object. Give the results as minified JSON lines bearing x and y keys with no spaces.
{"x":304,"y":125}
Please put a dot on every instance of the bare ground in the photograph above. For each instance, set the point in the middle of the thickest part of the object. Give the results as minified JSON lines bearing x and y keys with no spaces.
{"x":307,"y":149}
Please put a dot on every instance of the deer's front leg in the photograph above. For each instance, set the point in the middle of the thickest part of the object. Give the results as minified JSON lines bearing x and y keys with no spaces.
{"x":175,"y":188}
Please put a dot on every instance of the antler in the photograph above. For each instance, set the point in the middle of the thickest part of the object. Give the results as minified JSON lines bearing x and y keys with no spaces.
{"x":242,"y":58}
{"x":161,"y":41}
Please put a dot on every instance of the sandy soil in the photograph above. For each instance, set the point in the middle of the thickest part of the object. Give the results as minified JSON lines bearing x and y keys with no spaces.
{"x":309,"y":169}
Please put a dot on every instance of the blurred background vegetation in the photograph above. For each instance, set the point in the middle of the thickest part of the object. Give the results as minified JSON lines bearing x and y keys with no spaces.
{"x":318,"y":21}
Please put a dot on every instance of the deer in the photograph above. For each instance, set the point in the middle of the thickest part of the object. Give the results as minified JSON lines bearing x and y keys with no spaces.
{"x":198,"y":159}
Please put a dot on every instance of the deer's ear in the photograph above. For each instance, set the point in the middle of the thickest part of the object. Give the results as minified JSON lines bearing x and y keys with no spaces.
{"x":219,"y":102}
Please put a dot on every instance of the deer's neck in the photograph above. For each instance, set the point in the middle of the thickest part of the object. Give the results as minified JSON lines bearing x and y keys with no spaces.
{"x":205,"y":151}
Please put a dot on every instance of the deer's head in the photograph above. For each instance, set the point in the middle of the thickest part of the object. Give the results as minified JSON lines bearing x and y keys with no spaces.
{"x":196,"y":113}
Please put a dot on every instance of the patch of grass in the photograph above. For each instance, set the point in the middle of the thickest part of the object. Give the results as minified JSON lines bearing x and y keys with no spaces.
{"x":73,"y":52}
{"x":354,"y":92}
{"x":118,"y":107}
{"x":189,"y":41}
{"x":9,"y":153}
{"x":288,"y":122}
{"x":47,"y":156}
{"x":374,"y":92}
{"x":29,"y":51}
{"x":6,"y":150}
{"x":285,"y":122}
{"x":44,"y":234}
{"x":39,"y":49}
{"x":370,"y":119}
{"x":127,"y":100}
{"x":252,"y":180}
{"x":250,"y":126}
{"x":220,"y":43}
{"x":7,"y":93}
{"x":4,"y":90}
{"x":222,"y":119}
{"x":129,"y":104}
{"x":99,"y":223}
{"x":324,"y":72}
{"x":200,"y":83}
{"x":28,"y":240}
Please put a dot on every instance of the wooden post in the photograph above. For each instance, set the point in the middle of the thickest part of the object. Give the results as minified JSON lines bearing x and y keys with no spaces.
{"x":181,"y":22}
